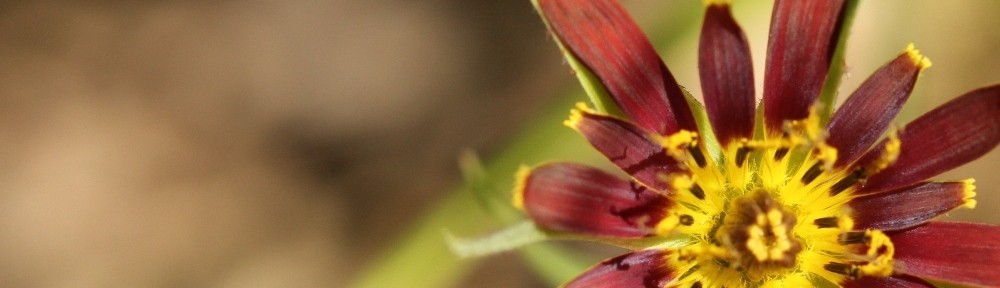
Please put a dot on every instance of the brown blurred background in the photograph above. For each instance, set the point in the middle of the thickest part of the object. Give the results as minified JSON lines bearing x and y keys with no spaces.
{"x":288,"y":143}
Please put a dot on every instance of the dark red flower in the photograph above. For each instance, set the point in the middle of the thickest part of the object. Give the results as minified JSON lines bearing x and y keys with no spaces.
{"x":762,"y":195}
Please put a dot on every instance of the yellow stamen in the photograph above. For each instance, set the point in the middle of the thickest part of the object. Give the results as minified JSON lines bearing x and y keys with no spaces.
{"x":809,"y":127}
{"x":889,"y":154}
{"x":826,"y":155}
{"x":881,"y":249}
{"x":676,"y":144}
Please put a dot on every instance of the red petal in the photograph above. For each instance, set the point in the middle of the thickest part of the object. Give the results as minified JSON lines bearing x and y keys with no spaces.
{"x":726,"y":75}
{"x":628,"y":146}
{"x":947,"y":137}
{"x":565,"y":197}
{"x":647,"y":268}
{"x":799,"y":50}
{"x":963,"y":253}
{"x":907,"y":207}
{"x":896,"y":281}
{"x":867,"y":113}
{"x":605,"y":39}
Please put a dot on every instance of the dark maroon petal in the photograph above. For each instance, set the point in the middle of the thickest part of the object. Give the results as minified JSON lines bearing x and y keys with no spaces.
{"x":962,"y":253}
{"x":628,"y":146}
{"x":646,"y":268}
{"x":726,"y":75}
{"x":573,"y":198}
{"x":947,"y":137}
{"x":867,"y":113}
{"x":604,"y":38}
{"x":907,"y":207}
{"x":802,"y":40}
{"x":896,"y":281}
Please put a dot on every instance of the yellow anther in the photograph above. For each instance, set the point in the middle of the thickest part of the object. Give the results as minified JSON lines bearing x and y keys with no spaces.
{"x":775,"y":217}
{"x":756,"y":243}
{"x":766,"y":247}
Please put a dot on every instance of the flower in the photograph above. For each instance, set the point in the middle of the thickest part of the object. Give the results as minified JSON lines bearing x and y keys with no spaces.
{"x":734,"y":194}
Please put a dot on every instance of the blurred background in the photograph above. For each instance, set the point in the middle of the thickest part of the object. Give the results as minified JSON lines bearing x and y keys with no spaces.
{"x":304,"y":143}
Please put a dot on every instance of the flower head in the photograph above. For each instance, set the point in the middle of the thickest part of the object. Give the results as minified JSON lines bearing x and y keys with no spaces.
{"x":736,"y":194}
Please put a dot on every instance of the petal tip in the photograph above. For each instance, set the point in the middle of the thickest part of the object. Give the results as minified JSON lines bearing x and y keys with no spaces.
{"x":520,"y":184}
{"x":576,"y":115}
{"x":921,"y":61}
{"x":969,"y":193}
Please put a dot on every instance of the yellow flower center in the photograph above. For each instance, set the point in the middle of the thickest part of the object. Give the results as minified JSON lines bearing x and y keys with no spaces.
{"x":770,"y":213}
